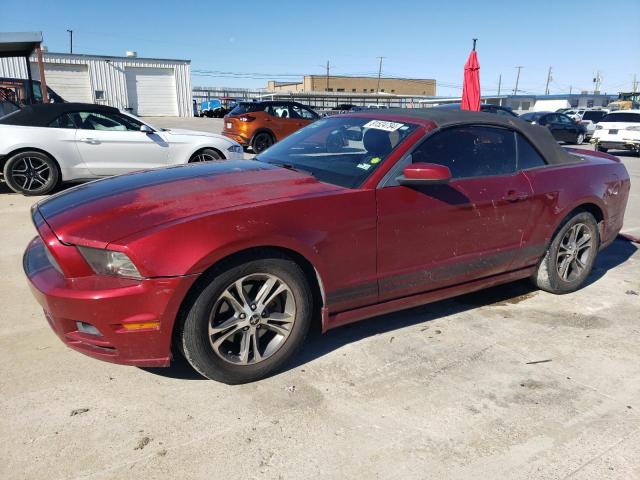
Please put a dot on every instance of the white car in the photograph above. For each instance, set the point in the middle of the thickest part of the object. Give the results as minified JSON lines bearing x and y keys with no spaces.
{"x":43,"y":145}
{"x":590,"y":118}
{"x":618,"y":130}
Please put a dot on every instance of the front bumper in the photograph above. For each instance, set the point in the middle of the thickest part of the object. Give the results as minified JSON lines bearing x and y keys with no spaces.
{"x":117,"y":307}
{"x":617,"y":144}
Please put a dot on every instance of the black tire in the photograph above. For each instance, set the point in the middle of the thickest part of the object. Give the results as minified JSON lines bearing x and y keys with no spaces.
{"x":261,"y":141}
{"x":579,"y":139}
{"x":206,"y":155}
{"x":31,"y":173}
{"x":197,"y":344}
{"x":601,"y":149}
{"x":548,"y":275}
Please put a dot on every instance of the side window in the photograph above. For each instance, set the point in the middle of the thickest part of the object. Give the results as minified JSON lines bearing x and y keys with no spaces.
{"x":473,"y":151}
{"x":564,"y":119}
{"x":279,"y":110}
{"x":528,"y":157}
{"x":63,"y":121}
{"x":301,"y":112}
{"x":106,"y":122}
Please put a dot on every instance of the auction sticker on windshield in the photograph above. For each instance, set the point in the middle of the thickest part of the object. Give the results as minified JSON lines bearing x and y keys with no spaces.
{"x":383,"y":125}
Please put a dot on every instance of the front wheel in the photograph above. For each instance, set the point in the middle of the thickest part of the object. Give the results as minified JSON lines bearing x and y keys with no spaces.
{"x":206,"y":155}
{"x":570,"y":256}
{"x":248,"y":321}
{"x":580,"y":139}
{"x":31,"y":173}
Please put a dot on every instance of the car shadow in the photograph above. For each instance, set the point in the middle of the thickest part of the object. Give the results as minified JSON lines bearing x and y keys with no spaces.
{"x":509,"y":294}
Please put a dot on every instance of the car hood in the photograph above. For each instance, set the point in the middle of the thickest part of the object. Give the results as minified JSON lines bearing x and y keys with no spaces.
{"x":98,"y":213}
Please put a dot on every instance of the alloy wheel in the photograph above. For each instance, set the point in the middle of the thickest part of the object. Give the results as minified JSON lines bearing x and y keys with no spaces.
{"x":574,"y":252}
{"x":262,"y":142}
{"x":252,"y":319}
{"x":30,"y":173}
{"x":580,"y":139}
{"x":204,"y":157}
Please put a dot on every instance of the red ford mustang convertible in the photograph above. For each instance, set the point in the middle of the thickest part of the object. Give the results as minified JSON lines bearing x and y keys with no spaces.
{"x":230,"y":263}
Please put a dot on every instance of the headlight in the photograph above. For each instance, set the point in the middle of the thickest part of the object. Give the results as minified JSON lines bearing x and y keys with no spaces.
{"x":235,"y":148}
{"x":635,"y":129}
{"x":598,"y":127}
{"x":108,"y":262}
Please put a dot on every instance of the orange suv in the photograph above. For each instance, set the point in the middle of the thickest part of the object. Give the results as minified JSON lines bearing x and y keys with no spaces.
{"x":261,"y":124}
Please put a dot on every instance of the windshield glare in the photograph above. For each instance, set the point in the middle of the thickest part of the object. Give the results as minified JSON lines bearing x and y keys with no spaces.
{"x":342,"y":151}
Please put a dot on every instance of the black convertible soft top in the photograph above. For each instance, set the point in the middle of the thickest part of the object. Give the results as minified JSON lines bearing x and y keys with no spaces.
{"x":539,"y":136}
{"x":41,"y":115}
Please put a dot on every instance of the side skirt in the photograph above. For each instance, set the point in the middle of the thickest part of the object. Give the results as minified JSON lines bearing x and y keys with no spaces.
{"x":350,"y":316}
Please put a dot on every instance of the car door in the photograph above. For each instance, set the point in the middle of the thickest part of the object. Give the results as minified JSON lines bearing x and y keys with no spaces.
{"x":569,"y":128}
{"x":434,"y":236}
{"x":112,"y":143}
{"x":303,"y":115}
{"x":552,"y":122}
{"x":288,"y":121}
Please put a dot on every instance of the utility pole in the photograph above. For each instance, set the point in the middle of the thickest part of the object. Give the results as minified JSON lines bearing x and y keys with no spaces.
{"x":597,"y":80}
{"x":635,"y":83}
{"x":379,"y":73}
{"x":327,"y":87}
{"x":515,"y":90}
{"x":546,"y":88}
{"x":499,"y":83}
{"x":570,"y":89}
{"x":70,"y":41}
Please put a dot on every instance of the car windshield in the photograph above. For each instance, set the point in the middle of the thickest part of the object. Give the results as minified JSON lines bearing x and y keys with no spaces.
{"x":593,"y":115}
{"x":622,"y":117}
{"x":342,"y":151}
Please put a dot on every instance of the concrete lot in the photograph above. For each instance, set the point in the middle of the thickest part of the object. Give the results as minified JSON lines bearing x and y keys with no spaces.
{"x":448,"y":390}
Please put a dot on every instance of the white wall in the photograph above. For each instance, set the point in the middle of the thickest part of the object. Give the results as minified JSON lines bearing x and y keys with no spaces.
{"x":108,"y":74}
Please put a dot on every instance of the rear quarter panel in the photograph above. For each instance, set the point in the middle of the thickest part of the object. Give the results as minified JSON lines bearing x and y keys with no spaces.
{"x":560,"y":189}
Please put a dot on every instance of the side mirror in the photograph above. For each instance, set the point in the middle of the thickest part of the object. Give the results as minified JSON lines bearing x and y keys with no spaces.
{"x":146,"y":129}
{"x":424,"y":174}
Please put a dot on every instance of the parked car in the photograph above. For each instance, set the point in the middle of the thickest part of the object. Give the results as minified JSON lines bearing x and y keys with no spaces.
{"x":261,"y":124}
{"x":562,"y":127}
{"x":232,"y":262}
{"x":574,"y":113}
{"x":590,"y":118}
{"x":484,"y":107}
{"x":619,"y":130}
{"x":16,"y":90}
{"x":43,"y":145}
{"x":217,"y":107}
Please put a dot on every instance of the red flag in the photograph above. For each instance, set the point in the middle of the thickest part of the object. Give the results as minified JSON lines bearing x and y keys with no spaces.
{"x":471,"y":85}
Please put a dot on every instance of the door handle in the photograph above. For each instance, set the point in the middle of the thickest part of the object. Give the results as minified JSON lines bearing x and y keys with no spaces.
{"x":92,"y":141}
{"x":515,"y":196}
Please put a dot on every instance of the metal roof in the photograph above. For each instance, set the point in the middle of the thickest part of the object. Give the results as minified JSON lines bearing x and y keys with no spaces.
{"x":19,"y":44}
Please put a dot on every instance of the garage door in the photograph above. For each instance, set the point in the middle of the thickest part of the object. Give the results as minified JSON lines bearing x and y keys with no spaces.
{"x":71,"y":82}
{"x":152,"y":91}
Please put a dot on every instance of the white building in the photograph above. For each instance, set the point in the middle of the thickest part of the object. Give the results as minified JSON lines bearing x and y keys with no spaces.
{"x":147,"y":86}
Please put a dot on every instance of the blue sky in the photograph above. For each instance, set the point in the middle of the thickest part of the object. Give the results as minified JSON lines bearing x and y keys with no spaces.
{"x":252,"y":41}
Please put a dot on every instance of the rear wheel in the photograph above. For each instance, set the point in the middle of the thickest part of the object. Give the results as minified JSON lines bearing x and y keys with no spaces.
{"x":570,"y":256}
{"x":262,"y":141}
{"x":206,"y":155}
{"x":31,"y":173}
{"x":248,"y":321}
